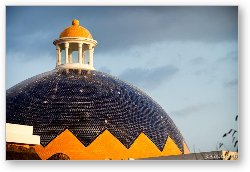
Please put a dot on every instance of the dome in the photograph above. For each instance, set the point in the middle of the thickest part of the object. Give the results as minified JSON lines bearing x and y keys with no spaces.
{"x":75,"y":112}
{"x":87,"y":105}
{"x":75,"y":31}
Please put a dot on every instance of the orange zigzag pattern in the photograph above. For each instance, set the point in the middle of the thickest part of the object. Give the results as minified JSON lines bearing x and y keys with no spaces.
{"x":106,"y":146}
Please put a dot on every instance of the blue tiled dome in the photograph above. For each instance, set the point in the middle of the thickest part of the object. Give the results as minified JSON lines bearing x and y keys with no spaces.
{"x":87,"y":103}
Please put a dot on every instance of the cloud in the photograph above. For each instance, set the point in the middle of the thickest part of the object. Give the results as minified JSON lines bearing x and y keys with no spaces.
{"x":104,"y":69}
{"x":197,"y":60}
{"x":18,"y":69}
{"x":232,"y":56}
{"x":231,"y":83}
{"x":117,"y":28}
{"x":192,"y":109}
{"x":149,"y":78}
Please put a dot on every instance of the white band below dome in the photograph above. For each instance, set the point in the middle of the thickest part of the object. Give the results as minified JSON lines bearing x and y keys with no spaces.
{"x":76,"y":66}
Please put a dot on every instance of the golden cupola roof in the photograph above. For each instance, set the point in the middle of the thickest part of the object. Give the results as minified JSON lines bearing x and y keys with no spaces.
{"x":76,"y":31}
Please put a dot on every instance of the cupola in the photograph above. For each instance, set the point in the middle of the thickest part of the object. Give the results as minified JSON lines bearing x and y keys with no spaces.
{"x":75,"y":48}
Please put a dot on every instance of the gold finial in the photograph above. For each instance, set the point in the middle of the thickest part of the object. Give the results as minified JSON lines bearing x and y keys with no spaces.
{"x":75,"y":22}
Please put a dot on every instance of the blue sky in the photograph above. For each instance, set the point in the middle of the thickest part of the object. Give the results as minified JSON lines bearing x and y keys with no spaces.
{"x":185,"y":58}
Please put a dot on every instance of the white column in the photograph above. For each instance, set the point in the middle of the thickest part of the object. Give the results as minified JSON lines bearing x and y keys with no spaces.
{"x":83,"y":56}
{"x":80,"y":53}
{"x":91,"y":55}
{"x":58,"y":51}
{"x":70,"y":55}
{"x":66,"y":52}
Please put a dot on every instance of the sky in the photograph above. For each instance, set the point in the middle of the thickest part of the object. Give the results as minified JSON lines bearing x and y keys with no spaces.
{"x":184,"y":57}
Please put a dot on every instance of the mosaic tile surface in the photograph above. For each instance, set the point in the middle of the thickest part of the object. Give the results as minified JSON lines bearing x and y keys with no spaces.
{"x":87,"y":103}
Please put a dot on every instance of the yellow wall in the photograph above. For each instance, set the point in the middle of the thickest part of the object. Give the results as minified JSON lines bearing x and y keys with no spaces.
{"x":106,"y":146}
